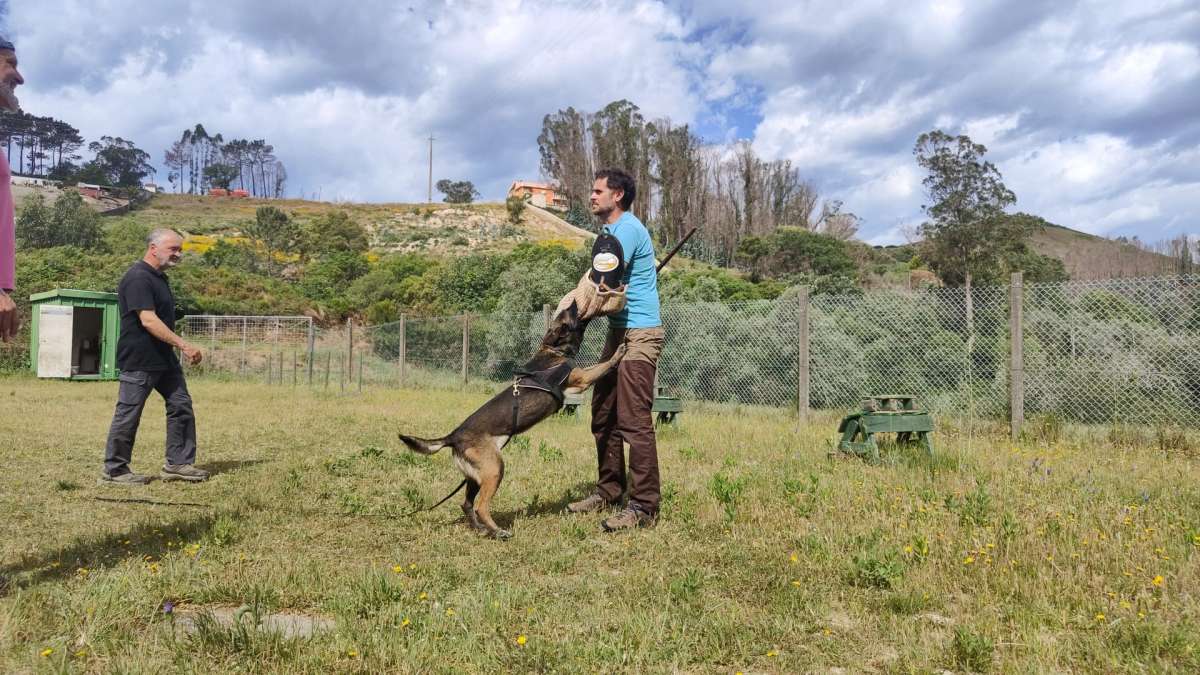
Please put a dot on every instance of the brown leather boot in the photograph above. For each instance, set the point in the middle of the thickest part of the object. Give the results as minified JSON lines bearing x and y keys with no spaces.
{"x":592,"y":503}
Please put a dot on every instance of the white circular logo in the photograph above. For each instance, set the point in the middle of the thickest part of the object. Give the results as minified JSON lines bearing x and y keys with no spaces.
{"x":605,"y":262}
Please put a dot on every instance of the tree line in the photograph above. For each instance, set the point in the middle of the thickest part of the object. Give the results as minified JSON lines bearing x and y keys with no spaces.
{"x":728,"y":191}
{"x":40,"y":146}
{"x":49,"y":148}
{"x":199,"y":161}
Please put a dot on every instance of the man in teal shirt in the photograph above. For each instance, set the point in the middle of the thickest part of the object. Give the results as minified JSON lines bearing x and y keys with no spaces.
{"x":621,"y":400}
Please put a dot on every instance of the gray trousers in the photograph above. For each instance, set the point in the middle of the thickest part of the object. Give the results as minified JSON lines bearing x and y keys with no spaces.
{"x":135,"y":388}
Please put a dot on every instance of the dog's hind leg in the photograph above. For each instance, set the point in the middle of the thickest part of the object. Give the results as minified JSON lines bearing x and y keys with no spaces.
{"x":468,"y":506}
{"x":491,"y":472}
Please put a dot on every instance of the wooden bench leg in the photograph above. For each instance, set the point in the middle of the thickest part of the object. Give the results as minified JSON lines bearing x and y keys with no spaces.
{"x":874,"y":448}
{"x":928,"y":445}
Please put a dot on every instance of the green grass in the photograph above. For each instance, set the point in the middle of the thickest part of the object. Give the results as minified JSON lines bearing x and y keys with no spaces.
{"x":770,"y":556}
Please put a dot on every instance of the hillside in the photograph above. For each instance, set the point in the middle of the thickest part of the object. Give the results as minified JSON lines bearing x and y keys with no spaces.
{"x":1087,"y":256}
{"x":105,"y":205}
{"x":425,"y":228}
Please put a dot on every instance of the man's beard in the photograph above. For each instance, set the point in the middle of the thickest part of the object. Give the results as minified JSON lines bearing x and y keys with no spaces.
{"x":8,"y":98}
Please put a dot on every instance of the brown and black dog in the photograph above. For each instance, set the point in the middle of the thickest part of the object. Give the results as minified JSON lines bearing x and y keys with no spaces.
{"x":534,"y":397}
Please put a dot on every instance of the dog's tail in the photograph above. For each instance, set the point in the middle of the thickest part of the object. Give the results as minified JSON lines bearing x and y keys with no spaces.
{"x":424,"y":446}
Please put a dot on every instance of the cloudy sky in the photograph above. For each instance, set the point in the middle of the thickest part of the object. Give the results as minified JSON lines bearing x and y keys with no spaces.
{"x":1091,"y":110}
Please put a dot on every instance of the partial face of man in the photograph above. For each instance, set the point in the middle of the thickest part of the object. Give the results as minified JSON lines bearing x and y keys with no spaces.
{"x":10,"y":79}
{"x":167,"y":251}
{"x":604,"y":199}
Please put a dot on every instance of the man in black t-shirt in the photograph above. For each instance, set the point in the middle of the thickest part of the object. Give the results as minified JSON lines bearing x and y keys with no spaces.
{"x":147,"y":362}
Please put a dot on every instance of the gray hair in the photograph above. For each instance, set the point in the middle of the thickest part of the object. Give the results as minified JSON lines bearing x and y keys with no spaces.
{"x":159,"y":233}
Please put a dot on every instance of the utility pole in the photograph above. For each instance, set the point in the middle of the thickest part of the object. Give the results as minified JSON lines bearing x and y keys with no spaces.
{"x":431,"y":140}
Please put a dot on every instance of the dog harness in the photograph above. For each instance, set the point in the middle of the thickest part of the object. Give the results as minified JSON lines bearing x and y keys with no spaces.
{"x":550,"y":381}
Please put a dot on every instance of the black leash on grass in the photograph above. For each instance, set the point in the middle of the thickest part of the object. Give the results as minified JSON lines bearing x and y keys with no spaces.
{"x":134,"y":500}
{"x":430,"y":508}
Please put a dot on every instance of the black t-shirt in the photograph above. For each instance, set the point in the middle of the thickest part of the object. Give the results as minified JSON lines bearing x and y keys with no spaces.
{"x":144,"y":287}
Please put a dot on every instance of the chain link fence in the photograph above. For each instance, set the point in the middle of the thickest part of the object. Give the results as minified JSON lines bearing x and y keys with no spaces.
{"x":246,"y":344}
{"x":1119,"y":351}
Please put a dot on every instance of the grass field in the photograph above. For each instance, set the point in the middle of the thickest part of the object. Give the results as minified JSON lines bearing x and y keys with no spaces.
{"x":1076,"y":550}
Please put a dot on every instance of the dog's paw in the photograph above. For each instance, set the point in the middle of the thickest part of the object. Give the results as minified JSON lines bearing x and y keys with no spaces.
{"x":502,"y":535}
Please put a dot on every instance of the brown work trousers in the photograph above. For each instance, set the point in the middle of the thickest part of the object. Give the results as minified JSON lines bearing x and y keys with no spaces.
{"x":621,"y":414}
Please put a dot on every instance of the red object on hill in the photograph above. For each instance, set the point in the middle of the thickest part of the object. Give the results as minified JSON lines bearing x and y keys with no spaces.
{"x":218,"y":192}
{"x":239,"y":193}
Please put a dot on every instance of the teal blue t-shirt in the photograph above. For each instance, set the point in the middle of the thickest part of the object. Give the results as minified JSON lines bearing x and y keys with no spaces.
{"x":641,"y":306}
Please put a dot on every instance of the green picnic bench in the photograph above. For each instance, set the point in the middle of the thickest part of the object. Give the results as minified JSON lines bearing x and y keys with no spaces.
{"x":665,"y":408}
{"x":571,"y":403}
{"x":891,"y":413}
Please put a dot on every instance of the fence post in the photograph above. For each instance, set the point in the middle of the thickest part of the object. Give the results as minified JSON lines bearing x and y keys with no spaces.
{"x":350,"y":342}
{"x":281,"y":367}
{"x":546,"y":316}
{"x":466,"y":344}
{"x":361,"y":358}
{"x":803,"y":382}
{"x":295,"y":364}
{"x":1016,"y":361}
{"x":242,"y":363}
{"x":312,"y":342}
{"x":403,"y":347}
{"x":328,"y":366}
{"x":342,"y":372}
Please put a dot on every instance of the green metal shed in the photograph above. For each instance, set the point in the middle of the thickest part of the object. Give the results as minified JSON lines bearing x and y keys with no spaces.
{"x":74,"y":334}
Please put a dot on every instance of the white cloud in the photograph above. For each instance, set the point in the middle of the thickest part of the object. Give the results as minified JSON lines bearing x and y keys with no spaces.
{"x":1131,"y":75}
{"x":1085,"y":112}
{"x":1089,"y":114}
{"x":352,"y":122}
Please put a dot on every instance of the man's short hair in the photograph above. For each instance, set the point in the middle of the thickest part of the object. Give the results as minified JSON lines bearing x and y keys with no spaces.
{"x":619,"y":180}
{"x":159,"y":233}
{"x":6,"y":45}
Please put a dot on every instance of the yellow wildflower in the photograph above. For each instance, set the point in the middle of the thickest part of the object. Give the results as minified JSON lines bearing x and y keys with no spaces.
{"x":521,"y":640}
{"x":1100,"y":616}
{"x":47,"y":651}
{"x":1157,"y":580}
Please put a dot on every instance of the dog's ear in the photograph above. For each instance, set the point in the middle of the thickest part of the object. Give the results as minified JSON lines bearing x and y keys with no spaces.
{"x":573,"y":313}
